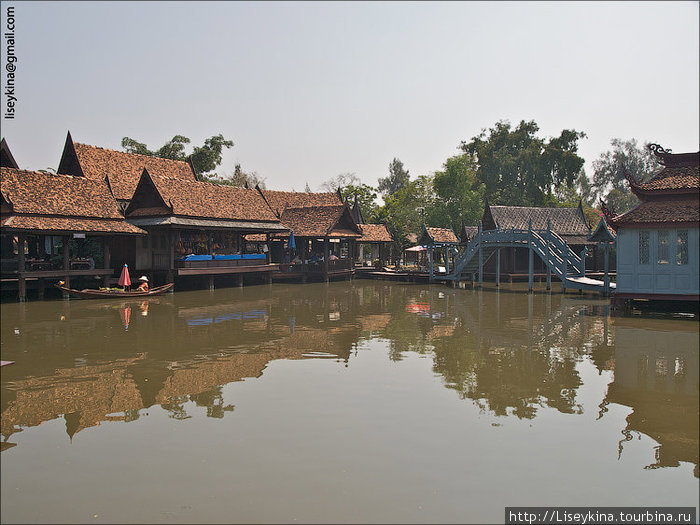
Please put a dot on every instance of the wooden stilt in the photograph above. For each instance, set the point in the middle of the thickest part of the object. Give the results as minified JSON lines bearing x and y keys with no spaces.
{"x":530,"y":259}
{"x":481,"y":256}
{"x":498,"y":268}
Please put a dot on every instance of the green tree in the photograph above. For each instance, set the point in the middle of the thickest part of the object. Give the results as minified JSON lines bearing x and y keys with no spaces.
{"x":397,"y":179}
{"x":609,"y":181}
{"x":460,"y":195}
{"x":519,"y":168}
{"x":205,"y":158}
{"x":366,"y":197}
{"x":405,"y":211}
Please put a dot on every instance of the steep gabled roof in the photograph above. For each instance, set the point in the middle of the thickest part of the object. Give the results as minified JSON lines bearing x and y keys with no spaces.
{"x":321,"y":221}
{"x":278,"y":200}
{"x":6,"y":158}
{"x":374,"y":233}
{"x":199,"y":199}
{"x":124,"y":169}
{"x":46,"y":201}
{"x":602,"y":232}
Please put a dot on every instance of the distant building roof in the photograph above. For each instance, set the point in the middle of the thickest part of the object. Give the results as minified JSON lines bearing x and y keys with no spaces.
{"x":46,"y":201}
{"x":374,"y":233}
{"x":278,"y":200}
{"x":321,"y":221}
{"x":438,"y":236}
{"x":123,"y":169}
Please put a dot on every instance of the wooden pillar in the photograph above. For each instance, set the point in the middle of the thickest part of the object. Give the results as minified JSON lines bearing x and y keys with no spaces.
{"x":430,"y":264}
{"x":239,"y":280}
{"x":549,"y":254}
{"x":447,"y":259}
{"x":325,"y":259}
{"x":606,"y":275}
{"x":498,"y":268}
{"x":530,"y":258}
{"x":171,"y":258}
{"x":22,"y":282}
{"x":66,"y":264}
{"x":267,"y":253}
{"x":481,"y":255}
{"x":566,"y":269}
{"x":211,"y":283}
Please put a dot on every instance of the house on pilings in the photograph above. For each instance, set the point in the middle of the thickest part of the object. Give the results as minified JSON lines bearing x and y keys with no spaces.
{"x":323,"y":228}
{"x":197,"y":229}
{"x":657,"y":241}
{"x":441,"y":244}
{"x":58,"y":227}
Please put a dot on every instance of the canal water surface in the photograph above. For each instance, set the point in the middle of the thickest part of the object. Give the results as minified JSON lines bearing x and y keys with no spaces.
{"x":346,"y":402}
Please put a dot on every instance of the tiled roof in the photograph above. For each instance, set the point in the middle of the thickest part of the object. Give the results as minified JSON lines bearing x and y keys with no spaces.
{"x":442,"y":235}
{"x":69,"y":224}
{"x":292,"y":199}
{"x":674,"y":178}
{"x":654,"y":212}
{"x":46,"y":201}
{"x":317,"y":221}
{"x":50,"y":194}
{"x":374,"y":233}
{"x":565,"y":221}
{"x":124,"y":169}
{"x":207,"y":200}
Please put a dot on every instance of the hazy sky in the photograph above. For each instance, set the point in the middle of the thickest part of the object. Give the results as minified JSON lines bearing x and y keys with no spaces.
{"x":314,"y":89}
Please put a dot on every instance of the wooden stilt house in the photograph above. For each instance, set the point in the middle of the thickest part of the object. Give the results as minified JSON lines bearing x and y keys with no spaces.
{"x":58,"y":227}
{"x":197,"y":228}
{"x":324,"y":231}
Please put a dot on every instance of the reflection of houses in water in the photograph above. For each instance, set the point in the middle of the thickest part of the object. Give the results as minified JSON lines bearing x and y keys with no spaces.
{"x":190,"y":368}
{"x":656,"y":375}
{"x":85,"y":396}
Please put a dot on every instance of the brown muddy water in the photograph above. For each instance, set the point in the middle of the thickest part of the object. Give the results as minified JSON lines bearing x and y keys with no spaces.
{"x":349,"y":402}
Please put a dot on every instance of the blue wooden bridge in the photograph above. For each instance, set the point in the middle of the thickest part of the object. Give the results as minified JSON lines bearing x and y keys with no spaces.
{"x":558,"y":258}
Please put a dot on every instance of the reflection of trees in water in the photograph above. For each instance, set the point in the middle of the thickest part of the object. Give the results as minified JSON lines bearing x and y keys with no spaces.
{"x":487,"y":348}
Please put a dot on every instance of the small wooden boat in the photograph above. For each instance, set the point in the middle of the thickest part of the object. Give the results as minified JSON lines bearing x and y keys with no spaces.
{"x":88,"y":293}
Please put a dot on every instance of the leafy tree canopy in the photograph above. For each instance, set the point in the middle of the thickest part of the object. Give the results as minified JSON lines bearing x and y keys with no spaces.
{"x":460,"y":193}
{"x":397,"y":179}
{"x":609,"y":182}
{"x":205,"y":158}
{"x":519,"y":168}
{"x":366,"y":198}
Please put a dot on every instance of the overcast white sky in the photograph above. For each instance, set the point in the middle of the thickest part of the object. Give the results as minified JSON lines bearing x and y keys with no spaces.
{"x":314,"y":89}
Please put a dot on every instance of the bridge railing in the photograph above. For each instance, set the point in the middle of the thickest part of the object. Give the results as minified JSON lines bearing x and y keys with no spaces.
{"x":551,"y":248}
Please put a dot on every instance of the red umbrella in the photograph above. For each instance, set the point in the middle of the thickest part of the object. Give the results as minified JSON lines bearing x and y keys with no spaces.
{"x":124,"y":279}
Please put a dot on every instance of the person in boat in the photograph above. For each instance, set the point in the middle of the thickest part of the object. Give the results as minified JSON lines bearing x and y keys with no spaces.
{"x":143,"y":287}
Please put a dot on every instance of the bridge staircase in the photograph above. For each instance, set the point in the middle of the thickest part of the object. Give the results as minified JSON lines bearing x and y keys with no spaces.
{"x":558,"y":257}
